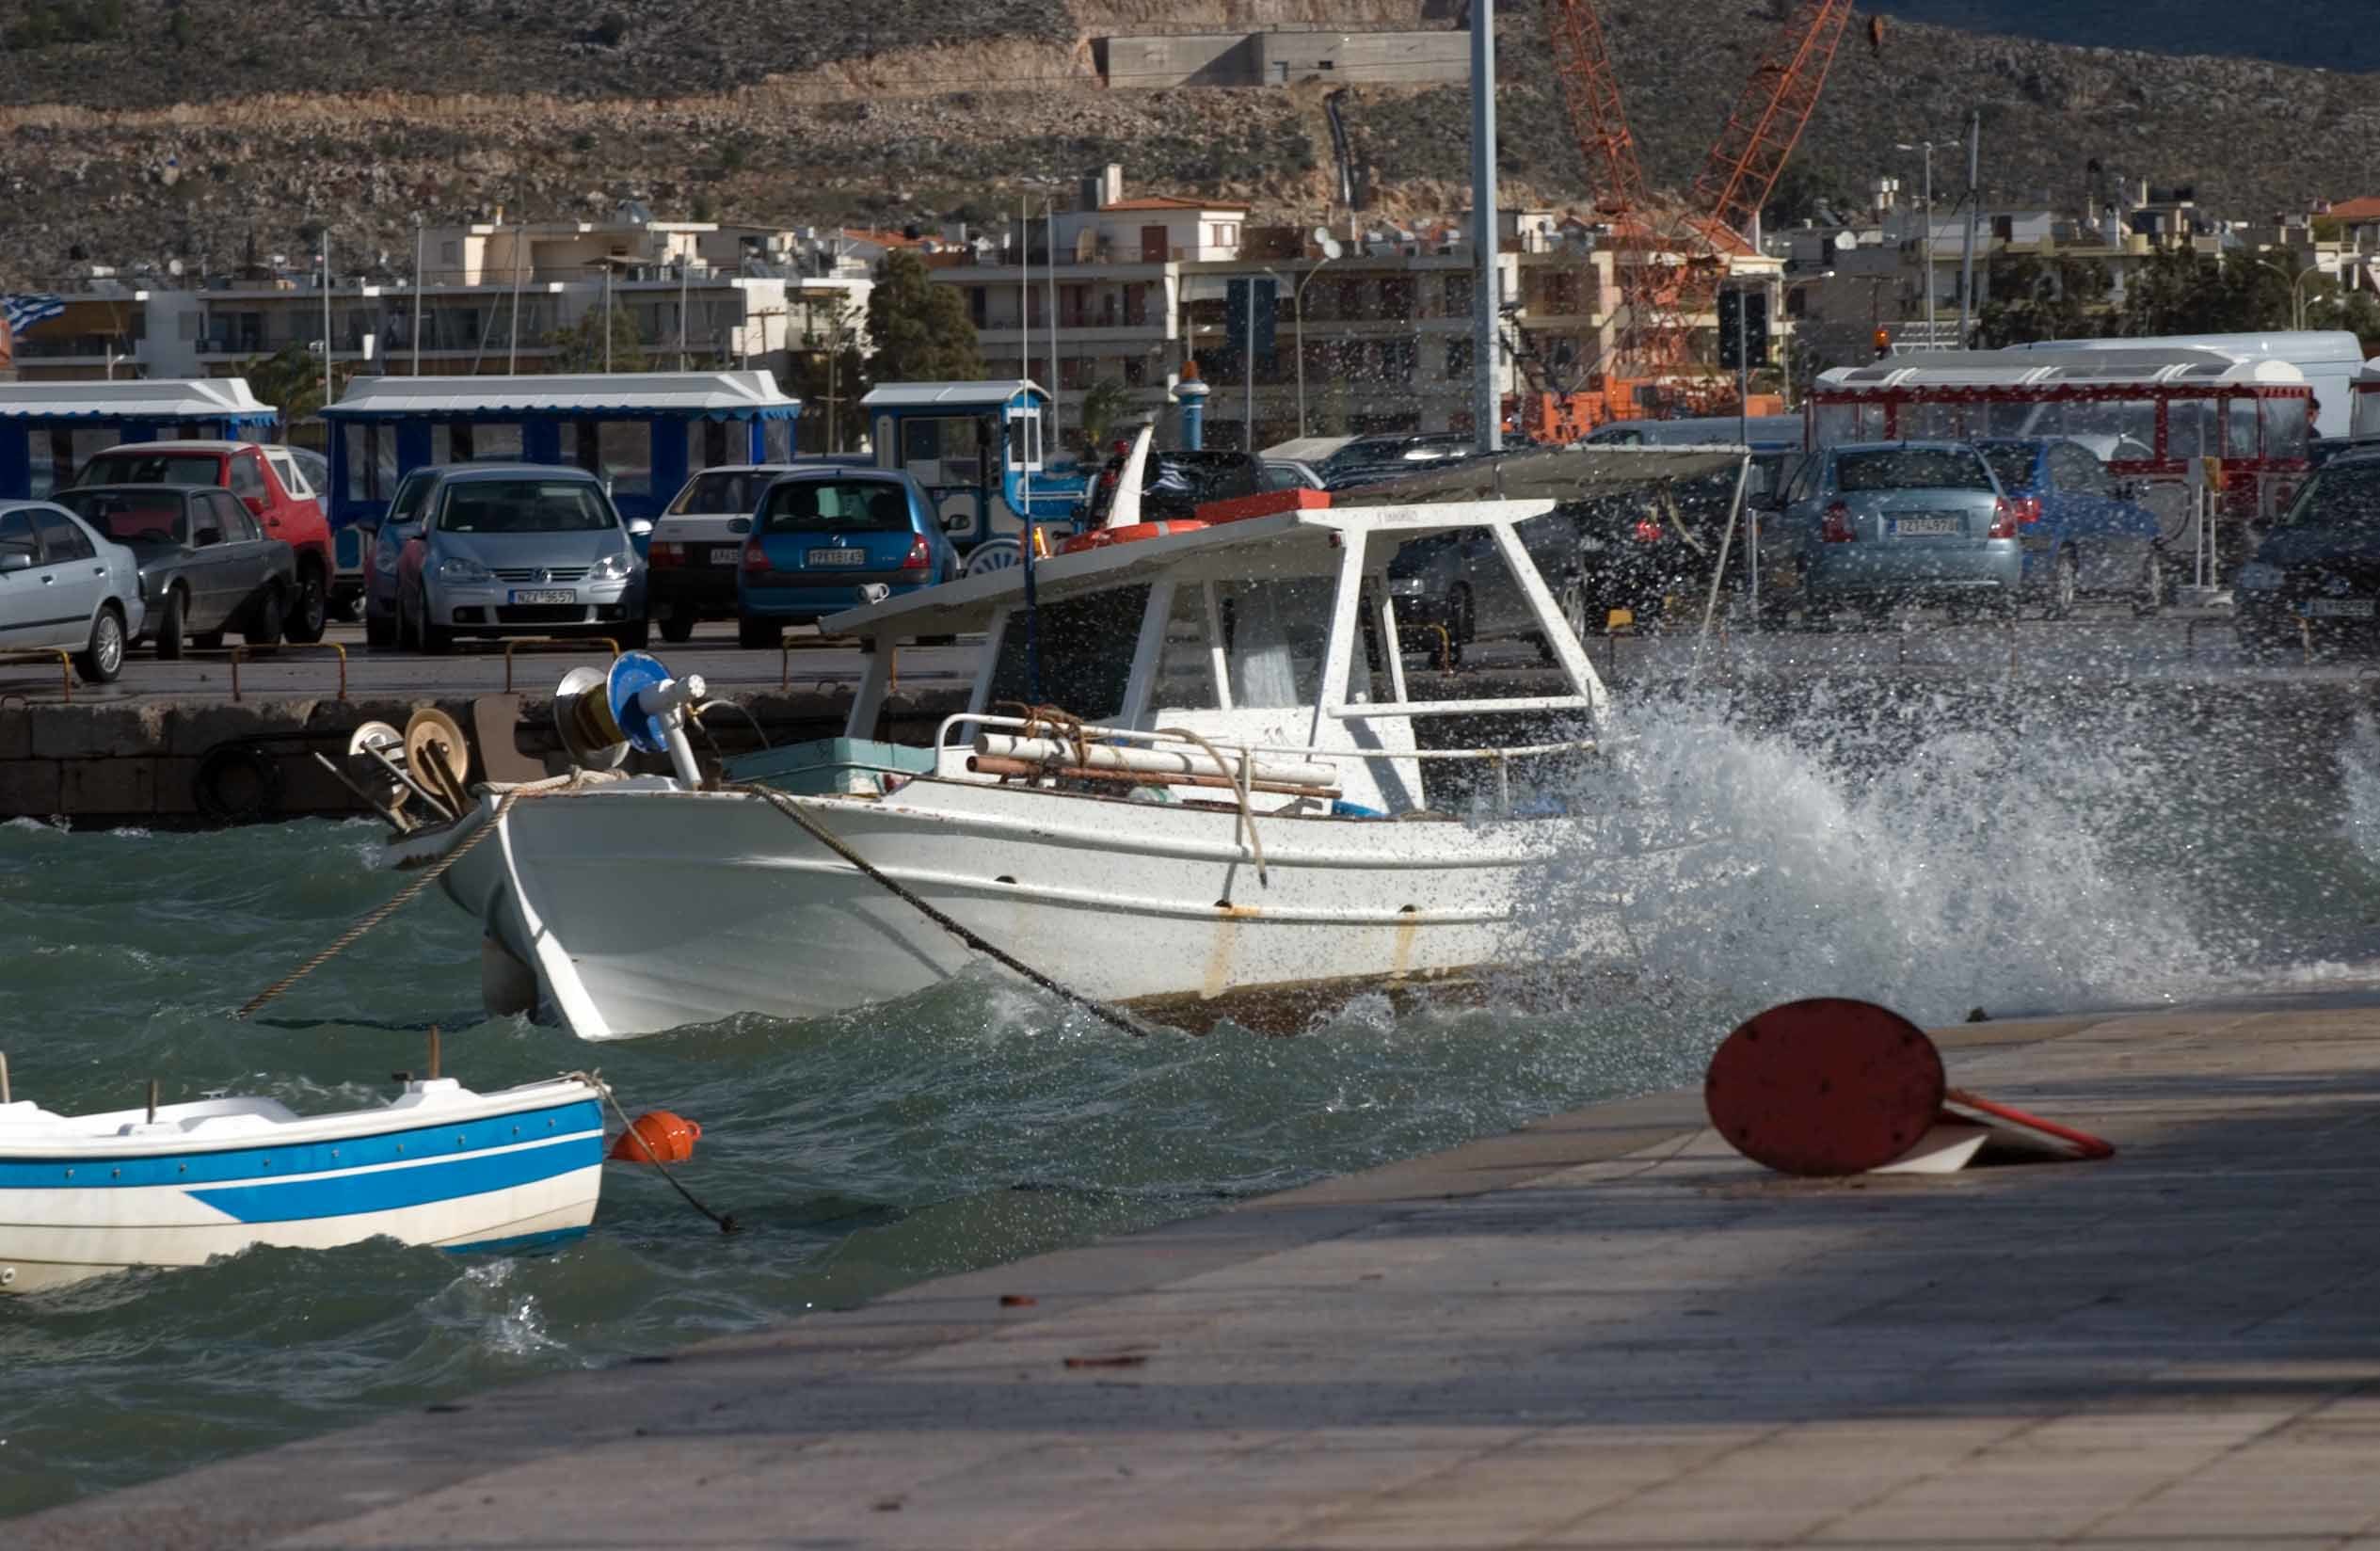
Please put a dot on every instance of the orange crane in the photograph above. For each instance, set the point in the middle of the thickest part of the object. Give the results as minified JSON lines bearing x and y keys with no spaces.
{"x":1669,"y":270}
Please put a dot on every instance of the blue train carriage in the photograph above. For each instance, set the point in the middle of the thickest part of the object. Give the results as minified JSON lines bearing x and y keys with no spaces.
{"x":978,"y":450}
{"x":644,"y":432}
{"x":49,"y":431}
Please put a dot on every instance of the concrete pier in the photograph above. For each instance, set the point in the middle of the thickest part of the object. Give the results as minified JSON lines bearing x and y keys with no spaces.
{"x":1606,"y":1330}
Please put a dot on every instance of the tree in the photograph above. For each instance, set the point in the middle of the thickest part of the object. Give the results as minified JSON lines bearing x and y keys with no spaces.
{"x":825,"y":370}
{"x":580,"y":347}
{"x":291,"y":381}
{"x":2033,"y":298}
{"x":2180,"y":291}
{"x":1805,"y":191}
{"x":920,"y":330}
{"x":1105,"y":404}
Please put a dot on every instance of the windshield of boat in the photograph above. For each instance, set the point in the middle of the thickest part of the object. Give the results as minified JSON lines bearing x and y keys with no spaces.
{"x":836,"y":506}
{"x":1910,"y":469}
{"x":130,"y":516}
{"x":524,"y":505}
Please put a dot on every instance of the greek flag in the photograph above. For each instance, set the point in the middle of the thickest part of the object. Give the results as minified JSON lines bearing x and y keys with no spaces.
{"x":23,"y":309}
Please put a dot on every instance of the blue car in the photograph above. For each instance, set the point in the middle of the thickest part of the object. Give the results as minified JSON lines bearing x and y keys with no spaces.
{"x":827,"y":538}
{"x":1875,"y":525}
{"x":2079,"y":528}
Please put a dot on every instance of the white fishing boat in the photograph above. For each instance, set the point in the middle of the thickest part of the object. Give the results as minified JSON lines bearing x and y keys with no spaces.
{"x":179,"y":1184}
{"x":1192,"y":774}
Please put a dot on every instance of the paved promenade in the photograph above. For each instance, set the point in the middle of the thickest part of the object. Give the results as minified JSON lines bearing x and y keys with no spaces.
{"x":1606,"y":1331}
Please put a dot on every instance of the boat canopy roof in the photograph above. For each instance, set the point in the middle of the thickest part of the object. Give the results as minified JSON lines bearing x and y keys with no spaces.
{"x":170,"y":398}
{"x":708,"y":395}
{"x":2042,"y":369}
{"x":1477,"y":493}
{"x":953,"y":395}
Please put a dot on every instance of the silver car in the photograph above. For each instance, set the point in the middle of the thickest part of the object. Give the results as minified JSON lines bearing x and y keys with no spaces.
{"x":1877,"y":524}
{"x":64,"y":585}
{"x":518,"y":549}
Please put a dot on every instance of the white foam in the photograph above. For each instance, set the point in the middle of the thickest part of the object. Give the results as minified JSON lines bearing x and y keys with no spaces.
{"x":2359,"y":779}
{"x":1961,"y":869}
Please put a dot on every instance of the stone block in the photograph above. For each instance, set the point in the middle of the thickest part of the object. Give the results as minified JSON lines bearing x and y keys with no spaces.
{"x":108,"y":789}
{"x":194,"y":727}
{"x":16,"y":729}
{"x":172,"y":779}
{"x":307,"y":788}
{"x":97,"y":732}
{"x":29,"y":789}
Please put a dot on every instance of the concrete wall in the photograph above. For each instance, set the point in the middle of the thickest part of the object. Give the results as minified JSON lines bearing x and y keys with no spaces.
{"x":1275,"y":58}
{"x":194,"y":763}
{"x":1375,"y":56}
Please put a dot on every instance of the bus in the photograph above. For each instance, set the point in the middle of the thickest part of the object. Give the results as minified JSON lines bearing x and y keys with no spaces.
{"x":2150,"y":414}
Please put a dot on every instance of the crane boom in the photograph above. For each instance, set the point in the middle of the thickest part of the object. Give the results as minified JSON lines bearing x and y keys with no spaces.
{"x":1770,"y":115}
{"x":1591,"y":96}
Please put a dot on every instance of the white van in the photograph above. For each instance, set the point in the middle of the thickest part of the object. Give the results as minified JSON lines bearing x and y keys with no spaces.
{"x":2328,"y":360}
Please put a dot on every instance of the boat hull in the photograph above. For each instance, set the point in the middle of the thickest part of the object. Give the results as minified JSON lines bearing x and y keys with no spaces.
{"x":461,"y":1177}
{"x":644,"y":909}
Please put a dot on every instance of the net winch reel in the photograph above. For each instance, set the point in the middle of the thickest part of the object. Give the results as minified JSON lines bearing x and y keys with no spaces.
{"x":638,"y":705}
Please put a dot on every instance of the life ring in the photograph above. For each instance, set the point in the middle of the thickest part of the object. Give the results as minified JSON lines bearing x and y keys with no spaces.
{"x":1099,"y":538}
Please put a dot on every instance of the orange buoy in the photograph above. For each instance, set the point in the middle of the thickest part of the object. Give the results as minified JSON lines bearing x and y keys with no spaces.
{"x":656,"y":1136}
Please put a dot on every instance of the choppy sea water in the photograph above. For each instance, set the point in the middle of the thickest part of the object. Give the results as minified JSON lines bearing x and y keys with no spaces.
{"x":1937,"y":853}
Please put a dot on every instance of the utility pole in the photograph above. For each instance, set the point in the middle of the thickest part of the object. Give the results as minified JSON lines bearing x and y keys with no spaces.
{"x":1487,"y":412}
{"x":326,"y":314}
{"x":608,"y":267}
{"x":1247,"y":373}
{"x":512,"y":350}
{"x":417,"y":292}
{"x":1966,"y":265}
{"x":1057,"y":396}
{"x":685,"y":266}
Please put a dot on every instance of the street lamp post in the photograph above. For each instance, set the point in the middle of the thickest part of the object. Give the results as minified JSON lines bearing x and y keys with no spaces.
{"x":1786,"y":378}
{"x":1927,"y":147}
{"x":1297,"y":322}
{"x":2297,"y":296}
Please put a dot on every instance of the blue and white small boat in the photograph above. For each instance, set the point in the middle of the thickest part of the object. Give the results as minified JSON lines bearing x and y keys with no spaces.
{"x":84,"y":1195}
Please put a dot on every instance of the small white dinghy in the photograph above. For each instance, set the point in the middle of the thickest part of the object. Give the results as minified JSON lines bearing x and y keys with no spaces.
{"x":84,"y":1195}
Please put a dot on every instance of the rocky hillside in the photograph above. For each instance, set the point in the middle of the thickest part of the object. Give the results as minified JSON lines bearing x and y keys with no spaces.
{"x":165,"y":138}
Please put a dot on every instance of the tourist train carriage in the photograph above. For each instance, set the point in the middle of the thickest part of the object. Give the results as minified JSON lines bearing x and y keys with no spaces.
{"x":2150,"y":414}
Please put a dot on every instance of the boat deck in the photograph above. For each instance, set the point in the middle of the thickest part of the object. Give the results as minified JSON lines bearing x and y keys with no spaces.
{"x":1608,"y":1329}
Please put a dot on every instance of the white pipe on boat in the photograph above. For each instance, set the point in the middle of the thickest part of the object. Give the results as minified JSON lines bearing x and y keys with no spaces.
{"x":1154,"y":761}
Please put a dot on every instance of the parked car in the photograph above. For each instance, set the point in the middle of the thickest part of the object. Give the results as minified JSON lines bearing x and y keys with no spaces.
{"x":205,"y":565}
{"x":1876,"y":524}
{"x":821,"y":534}
{"x":260,"y":476}
{"x":1173,"y":484}
{"x":2315,"y":575}
{"x":383,"y":551}
{"x":698,"y":545}
{"x":1289,"y":473}
{"x":1395,"y":447}
{"x":65,"y":584}
{"x":497,"y":549}
{"x":2077,"y":524}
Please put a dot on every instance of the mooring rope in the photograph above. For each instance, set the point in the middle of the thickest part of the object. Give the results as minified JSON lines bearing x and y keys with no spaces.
{"x":595,"y":1080}
{"x":826,"y":837}
{"x":405,"y":896}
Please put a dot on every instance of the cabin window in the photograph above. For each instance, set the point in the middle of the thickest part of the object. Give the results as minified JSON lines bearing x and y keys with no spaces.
{"x":1273,"y":636}
{"x":776,"y":442}
{"x":463,"y":440}
{"x":620,"y":452}
{"x":1086,"y":654}
{"x":2189,"y":428}
{"x":707,"y":445}
{"x":2285,"y":428}
{"x":364,"y":481}
{"x":1186,"y":667}
{"x":2239,"y":428}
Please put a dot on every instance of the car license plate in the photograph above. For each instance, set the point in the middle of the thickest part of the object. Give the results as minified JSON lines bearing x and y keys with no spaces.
{"x":726,"y":557}
{"x":544,"y":594}
{"x":1924,"y":527}
{"x":839,"y":557}
{"x":2338,"y":608}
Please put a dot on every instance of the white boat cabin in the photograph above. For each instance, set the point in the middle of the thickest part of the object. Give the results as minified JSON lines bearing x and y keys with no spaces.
{"x":1264,"y":636}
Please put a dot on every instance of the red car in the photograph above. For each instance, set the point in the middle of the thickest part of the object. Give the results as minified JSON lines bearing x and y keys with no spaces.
{"x":243,"y":469}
